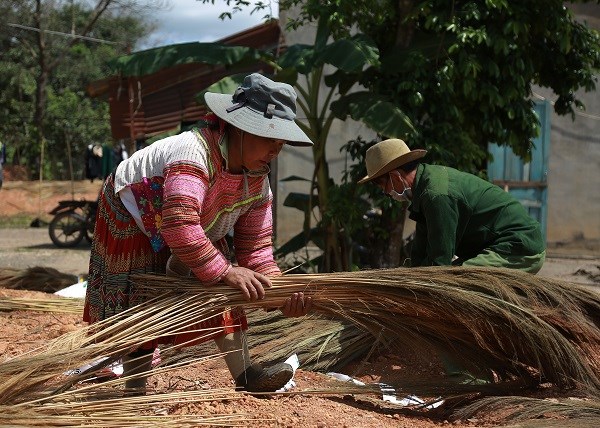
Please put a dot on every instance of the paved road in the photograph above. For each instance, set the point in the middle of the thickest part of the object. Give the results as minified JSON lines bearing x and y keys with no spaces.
{"x":23,"y":248}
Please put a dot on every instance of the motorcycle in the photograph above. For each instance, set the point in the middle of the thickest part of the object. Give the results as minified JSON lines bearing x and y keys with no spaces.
{"x":72,"y":221}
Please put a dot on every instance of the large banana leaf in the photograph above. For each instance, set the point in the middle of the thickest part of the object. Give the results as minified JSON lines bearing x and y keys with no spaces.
{"x":300,"y":241}
{"x":376,"y":112}
{"x":349,"y":55}
{"x":226,"y":85}
{"x":152,"y":60}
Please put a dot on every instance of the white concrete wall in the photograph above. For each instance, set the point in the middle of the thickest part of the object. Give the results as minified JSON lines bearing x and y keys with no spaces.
{"x":574,"y":170}
{"x":299,"y":161}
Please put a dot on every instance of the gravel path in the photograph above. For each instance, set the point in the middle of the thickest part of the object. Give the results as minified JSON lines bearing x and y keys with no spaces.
{"x":23,"y":248}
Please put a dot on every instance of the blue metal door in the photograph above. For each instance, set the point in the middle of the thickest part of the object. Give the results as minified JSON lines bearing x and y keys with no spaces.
{"x":526,"y":181}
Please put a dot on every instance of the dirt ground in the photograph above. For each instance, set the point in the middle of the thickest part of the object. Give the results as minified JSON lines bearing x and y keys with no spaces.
{"x":21,"y":331}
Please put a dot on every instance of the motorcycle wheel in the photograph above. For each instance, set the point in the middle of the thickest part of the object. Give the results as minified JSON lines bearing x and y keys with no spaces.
{"x":66,"y":230}
{"x":89,"y":235}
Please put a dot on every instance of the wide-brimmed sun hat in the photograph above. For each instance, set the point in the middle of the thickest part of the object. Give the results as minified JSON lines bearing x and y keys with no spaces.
{"x":388,"y":155}
{"x":261,"y":107}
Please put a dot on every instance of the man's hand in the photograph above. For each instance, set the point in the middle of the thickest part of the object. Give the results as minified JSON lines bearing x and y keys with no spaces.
{"x":296,"y":305}
{"x":250,"y":283}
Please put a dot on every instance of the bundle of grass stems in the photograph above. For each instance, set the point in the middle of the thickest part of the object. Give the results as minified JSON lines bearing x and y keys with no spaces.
{"x":58,"y":305}
{"x":331,"y":343}
{"x":527,"y":411}
{"x":42,"y":387}
{"x":519,"y":326}
{"x":322,"y":344}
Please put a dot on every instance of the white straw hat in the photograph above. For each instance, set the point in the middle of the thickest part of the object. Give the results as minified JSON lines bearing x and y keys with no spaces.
{"x":388,"y":155}
{"x":261,"y":107}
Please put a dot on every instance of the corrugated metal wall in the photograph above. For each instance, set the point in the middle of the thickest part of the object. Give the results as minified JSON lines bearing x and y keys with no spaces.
{"x":141,"y":107}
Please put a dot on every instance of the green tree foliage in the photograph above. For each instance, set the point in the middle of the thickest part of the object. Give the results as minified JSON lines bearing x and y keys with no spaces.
{"x":43,"y":76}
{"x":462,"y":71}
{"x":451,"y":77}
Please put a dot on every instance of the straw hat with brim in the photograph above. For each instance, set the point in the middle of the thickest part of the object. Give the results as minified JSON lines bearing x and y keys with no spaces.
{"x":261,"y":107}
{"x":386,"y":156}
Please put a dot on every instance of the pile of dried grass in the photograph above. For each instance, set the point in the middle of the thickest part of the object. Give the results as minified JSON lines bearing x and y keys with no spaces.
{"x":37,"y":278}
{"x":571,"y":413}
{"x":515,"y":324}
{"x":36,"y":391}
{"x":520,"y":326}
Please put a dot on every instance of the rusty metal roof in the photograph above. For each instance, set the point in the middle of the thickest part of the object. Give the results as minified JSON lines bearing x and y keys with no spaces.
{"x":145,"y":105}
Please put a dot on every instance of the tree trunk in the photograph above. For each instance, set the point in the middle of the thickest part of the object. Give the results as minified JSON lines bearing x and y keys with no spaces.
{"x":395,"y":256}
{"x":41,"y":88}
{"x":404,"y":31}
{"x":332,"y":260}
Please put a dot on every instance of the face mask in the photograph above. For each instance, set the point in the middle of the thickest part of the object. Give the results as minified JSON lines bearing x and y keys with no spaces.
{"x":257,"y":172}
{"x":405,"y":196}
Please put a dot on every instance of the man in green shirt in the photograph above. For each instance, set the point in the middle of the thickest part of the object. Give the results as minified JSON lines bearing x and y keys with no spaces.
{"x":461,"y":218}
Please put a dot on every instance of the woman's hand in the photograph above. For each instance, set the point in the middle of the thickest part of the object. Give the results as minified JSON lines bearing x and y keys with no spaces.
{"x":296,"y":305}
{"x":251,"y":284}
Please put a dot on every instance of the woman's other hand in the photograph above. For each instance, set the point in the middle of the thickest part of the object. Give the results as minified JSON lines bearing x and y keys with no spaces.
{"x":251,"y":284}
{"x":296,"y":305}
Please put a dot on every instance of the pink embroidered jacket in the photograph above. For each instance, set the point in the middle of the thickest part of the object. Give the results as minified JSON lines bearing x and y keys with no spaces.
{"x":188,"y":201}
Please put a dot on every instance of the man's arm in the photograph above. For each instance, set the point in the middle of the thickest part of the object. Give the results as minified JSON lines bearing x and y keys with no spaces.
{"x":441,"y":221}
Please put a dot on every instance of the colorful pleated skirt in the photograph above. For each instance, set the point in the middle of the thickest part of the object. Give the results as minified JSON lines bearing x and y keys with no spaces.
{"x":120,"y":249}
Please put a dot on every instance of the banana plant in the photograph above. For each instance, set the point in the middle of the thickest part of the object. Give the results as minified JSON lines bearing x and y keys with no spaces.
{"x":303,"y":67}
{"x":349,"y":57}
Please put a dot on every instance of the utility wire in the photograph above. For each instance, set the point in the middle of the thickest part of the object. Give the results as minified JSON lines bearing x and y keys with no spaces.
{"x":74,"y":36}
{"x":577,"y":112}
